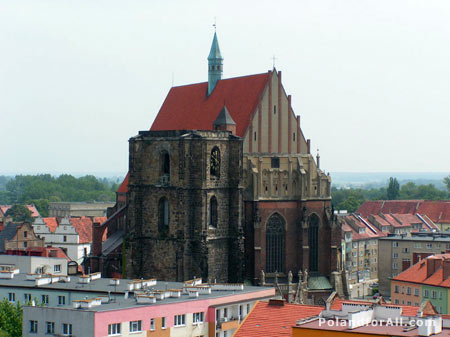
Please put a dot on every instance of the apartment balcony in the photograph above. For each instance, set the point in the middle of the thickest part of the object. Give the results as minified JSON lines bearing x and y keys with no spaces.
{"x":228,"y":323}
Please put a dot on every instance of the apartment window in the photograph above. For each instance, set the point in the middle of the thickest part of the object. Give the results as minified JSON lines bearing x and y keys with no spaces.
{"x":395,"y":244}
{"x":394,"y":266}
{"x":152,"y":324}
{"x":163,"y":323}
{"x":179,"y":320}
{"x":25,"y":234}
{"x":433,"y":294}
{"x":417,"y":245}
{"x":198,"y":316}
{"x":405,"y":250}
{"x":440,"y":295}
{"x":33,"y":326}
{"x":396,"y":289}
{"x":394,"y":255}
{"x":225,"y":312}
{"x":429,"y":245}
{"x":67,"y":329}
{"x":114,"y":329}
{"x":64,"y":238}
{"x":50,"y":327}
{"x":135,"y":326}
{"x":57,"y":268}
{"x":416,"y":291}
{"x":25,"y":244}
{"x":12,"y":297}
{"x":403,"y":290}
{"x":409,"y":302}
{"x":397,"y":302}
{"x":361,"y":253}
{"x":44,"y":299}
{"x":27,"y":298}
{"x":61,"y":300}
{"x":408,"y":291}
{"x":425,"y":293}
{"x":355,"y":245}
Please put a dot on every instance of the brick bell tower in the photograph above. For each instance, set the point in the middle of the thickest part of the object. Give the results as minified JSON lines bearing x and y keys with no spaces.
{"x":185,"y":206}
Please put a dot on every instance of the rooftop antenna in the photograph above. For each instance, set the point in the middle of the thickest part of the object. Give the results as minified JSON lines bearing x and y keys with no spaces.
{"x":215,"y":25}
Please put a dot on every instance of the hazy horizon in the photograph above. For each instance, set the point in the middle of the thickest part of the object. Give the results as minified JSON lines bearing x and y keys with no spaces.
{"x":370,"y":80}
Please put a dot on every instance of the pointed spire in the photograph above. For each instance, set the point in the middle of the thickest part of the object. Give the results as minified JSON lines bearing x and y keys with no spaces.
{"x":214,"y":65}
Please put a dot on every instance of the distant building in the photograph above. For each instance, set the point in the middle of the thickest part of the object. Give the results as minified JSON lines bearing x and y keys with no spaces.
{"x":31,"y":208}
{"x":360,"y":244}
{"x":18,"y":236}
{"x":397,"y":253}
{"x":78,"y":209}
{"x":436,"y":211}
{"x":35,"y":264}
{"x":73,"y":235}
{"x":428,"y":279}
{"x":145,"y":308}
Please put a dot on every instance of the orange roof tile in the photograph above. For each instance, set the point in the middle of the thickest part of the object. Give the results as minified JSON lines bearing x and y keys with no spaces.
{"x":272,"y":320}
{"x":83,"y":226}
{"x":123,"y":188}
{"x":51,"y":223}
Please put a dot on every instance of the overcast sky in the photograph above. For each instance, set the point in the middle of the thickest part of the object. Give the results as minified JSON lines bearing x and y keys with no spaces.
{"x":370,"y":79}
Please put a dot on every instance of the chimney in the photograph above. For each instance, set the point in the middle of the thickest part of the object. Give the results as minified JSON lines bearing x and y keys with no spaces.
{"x":275,"y":302}
{"x":446,"y":267}
{"x":430,"y":266}
{"x":308,"y":144}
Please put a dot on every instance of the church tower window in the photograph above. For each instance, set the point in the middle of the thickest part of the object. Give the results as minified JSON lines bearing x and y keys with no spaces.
{"x":165,"y":163}
{"x":215,"y":162}
{"x":213,"y":212}
{"x":313,"y":240}
{"x":163,"y":216}
{"x":275,"y":244}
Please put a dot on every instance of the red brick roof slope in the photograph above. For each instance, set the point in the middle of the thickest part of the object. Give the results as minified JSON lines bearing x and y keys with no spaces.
{"x":189,"y":108}
{"x":437,"y":211}
{"x":31,"y":208}
{"x":51,"y":223}
{"x":388,"y":206}
{"x":272,"y":320}
{"x":83,"y":226}
{"x":123,"y":188}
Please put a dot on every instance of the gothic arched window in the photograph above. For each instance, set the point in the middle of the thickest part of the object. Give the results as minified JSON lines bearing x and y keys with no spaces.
{"x":313,"y":241}
{"x":215,"y":162}
{"x":213,"y":212}
{"x":163,"y":216}
{"x":165,"y":163}
{"x":275,"y":244}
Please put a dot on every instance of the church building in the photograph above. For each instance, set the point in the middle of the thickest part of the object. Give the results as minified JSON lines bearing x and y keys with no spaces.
{"x":224,"y":186}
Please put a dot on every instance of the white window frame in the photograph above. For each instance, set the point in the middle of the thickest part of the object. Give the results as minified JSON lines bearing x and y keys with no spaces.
{"x":33,"y":326}
{"x":61,"y":300}
{"x":67,"y":329}
{"x":135,"y":326}
{"x":198,"y":317}
{"x":114,"y":329}
{"x":50,"y":327}
{"x":57,"y":268}
{"x":179,"y":320}
{"x":152,"y":324}
{"x":12,"y":297}
{"x":163,"y":322}
{"x":44,"y":299}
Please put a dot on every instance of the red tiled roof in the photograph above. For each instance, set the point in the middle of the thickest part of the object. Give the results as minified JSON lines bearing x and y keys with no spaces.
{"x":437,"y":211}
{"x":51,"y":223}
{"x":83,"y":226}
{"x":272,"y":320}
{"x":31,"y":208}
{"x":189,"y":108}
{"x":418,"y":273}
{"x":123,"y":188}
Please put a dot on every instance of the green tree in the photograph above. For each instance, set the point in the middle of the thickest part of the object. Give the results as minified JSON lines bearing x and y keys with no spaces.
{"x":19,"y":213}
{"x":393,"y":190}
{"x":447,"y":183}
{"x":10,"y":319}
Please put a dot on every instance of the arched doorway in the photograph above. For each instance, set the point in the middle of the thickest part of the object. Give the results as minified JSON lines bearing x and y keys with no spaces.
{"x":275,"y":244}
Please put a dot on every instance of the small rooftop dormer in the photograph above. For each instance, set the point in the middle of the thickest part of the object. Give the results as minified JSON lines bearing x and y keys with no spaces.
{"x":224,"y":121}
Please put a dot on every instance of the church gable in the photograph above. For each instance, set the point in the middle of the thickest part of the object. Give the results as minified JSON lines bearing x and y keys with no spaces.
{"x":274,"y":128}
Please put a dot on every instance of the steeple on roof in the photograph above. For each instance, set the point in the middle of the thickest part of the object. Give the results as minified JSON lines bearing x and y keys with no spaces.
{"x":224,"y":118}
{"x":214,"y":53}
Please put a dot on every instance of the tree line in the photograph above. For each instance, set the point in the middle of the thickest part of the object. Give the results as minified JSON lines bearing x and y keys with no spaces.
{"x":351,"y":198}
{"x":42,"y":189}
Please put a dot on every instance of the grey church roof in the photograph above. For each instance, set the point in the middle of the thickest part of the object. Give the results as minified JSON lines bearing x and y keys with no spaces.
{"x":224,"y":118}
{"x":7,"y":234}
